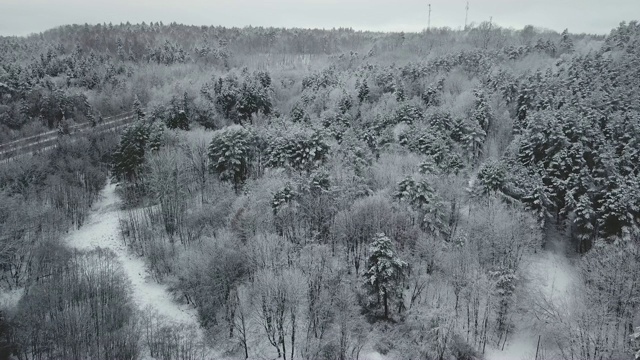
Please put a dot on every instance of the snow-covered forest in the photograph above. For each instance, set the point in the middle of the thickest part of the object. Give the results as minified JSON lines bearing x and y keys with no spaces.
{"x":321,"y":194}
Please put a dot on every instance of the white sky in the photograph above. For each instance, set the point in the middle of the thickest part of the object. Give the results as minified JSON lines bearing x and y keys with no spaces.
{"x":21,"y":17}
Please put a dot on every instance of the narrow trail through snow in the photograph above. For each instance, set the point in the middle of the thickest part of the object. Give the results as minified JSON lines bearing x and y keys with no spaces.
{"x":102,"y":231}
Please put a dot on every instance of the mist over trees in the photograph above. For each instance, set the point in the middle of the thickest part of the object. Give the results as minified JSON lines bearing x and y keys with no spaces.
{"x":324,"y":194}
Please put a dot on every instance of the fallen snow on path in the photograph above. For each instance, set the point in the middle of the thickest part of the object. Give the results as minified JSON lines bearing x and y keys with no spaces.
{"x":374,"y":355}
{"x":102,"y":231}
{"x":550,"y":279}
{"x":522,"y":346}
{"x":553,"y":276}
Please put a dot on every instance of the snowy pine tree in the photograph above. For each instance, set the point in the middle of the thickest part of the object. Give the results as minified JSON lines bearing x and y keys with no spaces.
{"x":386,"y":273}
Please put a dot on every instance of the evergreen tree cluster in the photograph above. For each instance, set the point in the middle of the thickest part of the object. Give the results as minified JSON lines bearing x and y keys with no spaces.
{"x":577,"y":141}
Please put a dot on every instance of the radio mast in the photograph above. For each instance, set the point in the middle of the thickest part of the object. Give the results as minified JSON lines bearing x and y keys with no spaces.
{"x":429,"y":20}
{"x":466,"y":16}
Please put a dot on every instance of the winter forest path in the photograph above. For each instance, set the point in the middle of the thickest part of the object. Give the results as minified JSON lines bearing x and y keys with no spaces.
{"x":102,"y":231}
{"x":548,"y":288}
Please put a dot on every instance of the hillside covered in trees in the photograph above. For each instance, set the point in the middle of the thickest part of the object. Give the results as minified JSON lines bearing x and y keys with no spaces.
{"x":324,"y":194}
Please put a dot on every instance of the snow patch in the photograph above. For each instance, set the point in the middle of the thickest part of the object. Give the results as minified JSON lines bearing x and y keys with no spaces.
{"x":9,"y":298}
{"x":373,"y":356}
{"x":522,"y":346}
{"x":553,"y":276}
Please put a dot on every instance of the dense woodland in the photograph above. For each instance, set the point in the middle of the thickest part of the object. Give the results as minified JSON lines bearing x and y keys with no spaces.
{"x":323,"y":194}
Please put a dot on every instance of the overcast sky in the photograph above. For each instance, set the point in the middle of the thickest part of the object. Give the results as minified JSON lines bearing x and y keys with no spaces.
{"x":22,"y":17}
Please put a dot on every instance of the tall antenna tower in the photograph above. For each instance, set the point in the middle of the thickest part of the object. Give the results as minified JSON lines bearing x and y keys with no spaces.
{"x":429,"y":21}
{"x":466,"y":16}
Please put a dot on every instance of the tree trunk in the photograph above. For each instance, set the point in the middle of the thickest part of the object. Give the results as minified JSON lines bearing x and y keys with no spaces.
{"x":386,"y":305}
{"x":284,"y":347}
{"x":293,"y":333}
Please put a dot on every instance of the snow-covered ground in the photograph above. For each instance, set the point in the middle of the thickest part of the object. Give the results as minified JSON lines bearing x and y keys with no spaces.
{"x":374,"y":355}
{"x":102,"y":231}
{"x":9,"y":298}
{"x":550,"y":280}
{"x":522,"y":346}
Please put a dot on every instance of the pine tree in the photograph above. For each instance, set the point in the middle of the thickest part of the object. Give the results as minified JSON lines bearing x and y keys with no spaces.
{"x":298,"y":150}
{"x":491,"y":176}
{"x":178,"y":117}
{"x":120,"y":49}
{"x":566,"y":44}
{"x":185,"y":104}
{"x":137,"y":108}
{"x":298,"y":113}
{"x":422,"y":198}
{"x":473,"y":139}
{"x":130,"y":153}
{"x":408,"y":114}
{"x":231,"y":153}
{"x":385,"y":273}
{"x":363,"y":91}
{"x":482,"y":113}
